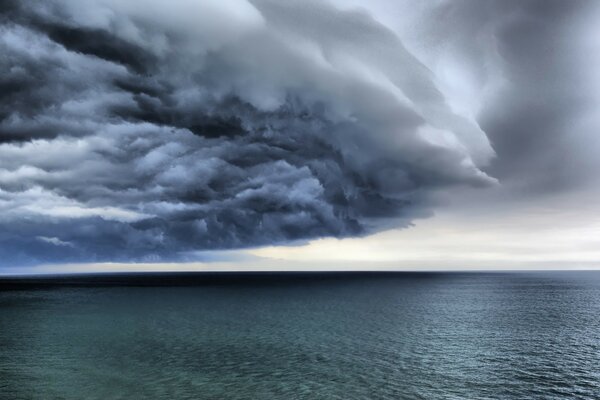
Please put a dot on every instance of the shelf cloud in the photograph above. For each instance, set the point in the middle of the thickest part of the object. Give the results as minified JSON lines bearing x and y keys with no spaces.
{"x":151,"y":130}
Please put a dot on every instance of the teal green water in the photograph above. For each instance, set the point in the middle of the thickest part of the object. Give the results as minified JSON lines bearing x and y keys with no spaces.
{"x":403,"y":336}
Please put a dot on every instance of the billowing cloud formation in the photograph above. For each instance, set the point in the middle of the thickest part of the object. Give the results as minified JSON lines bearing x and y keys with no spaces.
{"x":147,"y":130}
{"x":528,"y":71}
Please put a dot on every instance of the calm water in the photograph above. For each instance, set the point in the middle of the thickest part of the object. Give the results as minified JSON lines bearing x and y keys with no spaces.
{"x":389,"y":336}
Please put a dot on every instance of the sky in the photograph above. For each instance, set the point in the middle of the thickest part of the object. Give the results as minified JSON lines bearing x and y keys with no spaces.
{"x":313,"y":134}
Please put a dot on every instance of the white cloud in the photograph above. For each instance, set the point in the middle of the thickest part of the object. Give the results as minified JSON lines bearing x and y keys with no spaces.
{"x":55,"y":241}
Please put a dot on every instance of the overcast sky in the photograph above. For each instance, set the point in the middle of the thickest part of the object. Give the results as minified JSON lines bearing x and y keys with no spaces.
{"x":313,"y":134}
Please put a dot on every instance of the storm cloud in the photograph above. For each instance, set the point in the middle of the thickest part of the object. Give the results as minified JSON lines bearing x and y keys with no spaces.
{"x":528,"y":72}
{"x":149,"y":131}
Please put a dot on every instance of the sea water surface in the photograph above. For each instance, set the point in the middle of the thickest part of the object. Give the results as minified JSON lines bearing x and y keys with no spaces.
{"x":302,"y":336}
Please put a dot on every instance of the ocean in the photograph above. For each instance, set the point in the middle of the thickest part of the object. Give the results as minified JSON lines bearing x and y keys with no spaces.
{"x":301,"y":336}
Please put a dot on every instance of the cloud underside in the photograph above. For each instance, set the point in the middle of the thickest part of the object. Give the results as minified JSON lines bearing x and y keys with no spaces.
{"x":149,"y":132}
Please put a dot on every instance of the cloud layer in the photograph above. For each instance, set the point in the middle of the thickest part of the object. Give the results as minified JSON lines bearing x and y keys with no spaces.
{"x":528,"y":71}
{"x":147,"y":132}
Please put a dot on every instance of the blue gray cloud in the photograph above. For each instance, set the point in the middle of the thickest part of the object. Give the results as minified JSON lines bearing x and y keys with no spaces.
{"x":149,"y":132}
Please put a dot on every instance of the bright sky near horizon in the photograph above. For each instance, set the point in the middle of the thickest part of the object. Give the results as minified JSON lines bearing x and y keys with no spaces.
{"x":319,"y":134}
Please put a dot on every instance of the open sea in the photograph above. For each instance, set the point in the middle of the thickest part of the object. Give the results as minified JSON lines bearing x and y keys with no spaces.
{"x":301,"y":336}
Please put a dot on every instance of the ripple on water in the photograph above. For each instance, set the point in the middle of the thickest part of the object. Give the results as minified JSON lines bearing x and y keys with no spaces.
{"x":429,"y":336}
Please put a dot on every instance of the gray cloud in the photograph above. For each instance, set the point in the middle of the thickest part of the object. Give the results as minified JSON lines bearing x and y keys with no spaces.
{"x":527,"y":70}
{"x":537,"y":123}
{"x":144,"y":133}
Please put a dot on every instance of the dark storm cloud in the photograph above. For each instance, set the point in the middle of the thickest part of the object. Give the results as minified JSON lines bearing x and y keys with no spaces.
{"x":539,"y":117}
{"x":133,"y":133}
{"x":535,"y":125}
{"x":98,"y":43}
